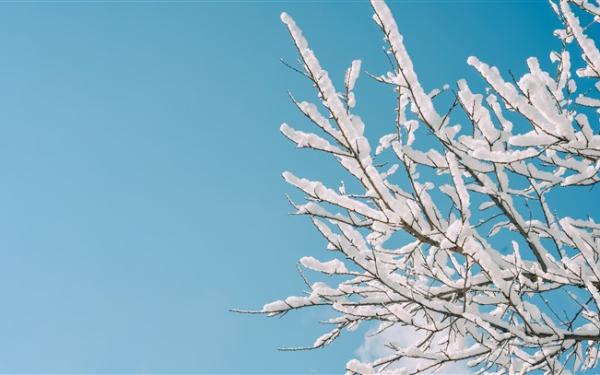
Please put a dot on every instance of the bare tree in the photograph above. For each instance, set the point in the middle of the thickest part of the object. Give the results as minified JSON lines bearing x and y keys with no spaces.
{"x":532,"y":304}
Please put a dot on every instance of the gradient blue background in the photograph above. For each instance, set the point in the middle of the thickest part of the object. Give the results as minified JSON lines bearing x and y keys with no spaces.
{"x":140,"y":161}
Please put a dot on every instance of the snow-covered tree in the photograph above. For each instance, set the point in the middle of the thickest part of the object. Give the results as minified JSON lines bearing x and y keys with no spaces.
{"x":460,"y":241}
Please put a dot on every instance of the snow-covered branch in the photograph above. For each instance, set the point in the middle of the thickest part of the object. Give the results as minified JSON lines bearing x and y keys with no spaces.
{"x":496,"y":307}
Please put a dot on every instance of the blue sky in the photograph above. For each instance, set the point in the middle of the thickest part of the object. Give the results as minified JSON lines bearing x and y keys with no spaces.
{"x":140,"y":161}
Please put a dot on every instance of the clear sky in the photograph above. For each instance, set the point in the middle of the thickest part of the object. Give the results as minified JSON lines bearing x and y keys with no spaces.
{"x":140,"y":161}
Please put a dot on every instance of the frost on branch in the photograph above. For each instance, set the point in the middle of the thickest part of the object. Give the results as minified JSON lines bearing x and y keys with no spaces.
{"x":488,"y":271}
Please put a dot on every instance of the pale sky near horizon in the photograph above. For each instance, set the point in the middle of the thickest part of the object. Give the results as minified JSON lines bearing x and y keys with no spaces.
{"x":140,"y":163}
